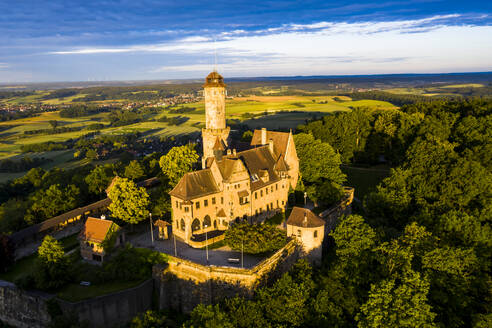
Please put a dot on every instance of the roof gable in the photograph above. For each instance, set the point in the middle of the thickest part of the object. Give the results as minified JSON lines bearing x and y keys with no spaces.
{"x":195,"y":184}
{"x":280,"y":140}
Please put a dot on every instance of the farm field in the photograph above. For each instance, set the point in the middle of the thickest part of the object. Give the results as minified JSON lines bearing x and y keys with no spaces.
{"x":272,"y":112}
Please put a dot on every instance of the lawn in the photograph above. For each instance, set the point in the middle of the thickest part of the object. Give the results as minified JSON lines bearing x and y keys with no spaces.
{"x":76,"y":292}
{"x":364,"y":180}
{"x":20,"y":268}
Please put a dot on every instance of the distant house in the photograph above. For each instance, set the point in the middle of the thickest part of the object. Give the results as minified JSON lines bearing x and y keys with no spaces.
{"x":309,"y":230}
{"x":98,"y":237}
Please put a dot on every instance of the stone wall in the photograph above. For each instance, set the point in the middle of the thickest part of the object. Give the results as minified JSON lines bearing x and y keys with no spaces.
{"x":112,"y":309}
{"x":21,"y":308}
{"x":27,"y":309}
{"x":182,"y":284}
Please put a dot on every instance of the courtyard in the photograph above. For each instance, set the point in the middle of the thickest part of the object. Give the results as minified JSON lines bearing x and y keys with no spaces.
{"x":216,"y":256}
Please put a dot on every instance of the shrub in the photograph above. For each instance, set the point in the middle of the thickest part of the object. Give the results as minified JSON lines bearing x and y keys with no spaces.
{"x":255,"y":238}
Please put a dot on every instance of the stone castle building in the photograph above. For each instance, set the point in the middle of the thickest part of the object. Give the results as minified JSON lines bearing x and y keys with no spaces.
{"x":232,"y":186}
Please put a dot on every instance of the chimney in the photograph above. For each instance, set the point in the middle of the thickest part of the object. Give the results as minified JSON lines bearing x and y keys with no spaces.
{"x":270,"y":145}
{"x":304,"y":222}
{"x":263,"y":136}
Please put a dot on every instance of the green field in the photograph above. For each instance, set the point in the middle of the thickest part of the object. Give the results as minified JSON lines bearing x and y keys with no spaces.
{"x":274,"y":112}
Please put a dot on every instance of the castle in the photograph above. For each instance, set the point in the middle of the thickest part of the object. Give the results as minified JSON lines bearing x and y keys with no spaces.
{"x":232,"y":186}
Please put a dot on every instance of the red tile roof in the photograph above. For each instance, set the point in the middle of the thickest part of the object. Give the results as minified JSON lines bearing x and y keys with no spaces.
{"x":96,"y":230}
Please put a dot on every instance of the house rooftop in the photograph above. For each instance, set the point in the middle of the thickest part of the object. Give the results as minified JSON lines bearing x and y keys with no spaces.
{"x":96,"y":230}
{"x":303,"y":217}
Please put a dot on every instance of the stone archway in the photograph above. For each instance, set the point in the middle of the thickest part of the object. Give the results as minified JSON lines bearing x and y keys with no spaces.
{"x":195,"y":225}
{"x":207,"y":222}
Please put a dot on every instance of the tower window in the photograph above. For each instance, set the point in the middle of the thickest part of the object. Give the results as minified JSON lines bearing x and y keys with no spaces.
{"x":213,"y":200}
{"x":205,"y":203}
{"x":197,"y":204}
{"x":315,"y":233}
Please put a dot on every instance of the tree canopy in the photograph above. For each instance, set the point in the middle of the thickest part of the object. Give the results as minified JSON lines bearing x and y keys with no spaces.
{"x":177,"y":162}
{"x":128,"y":202}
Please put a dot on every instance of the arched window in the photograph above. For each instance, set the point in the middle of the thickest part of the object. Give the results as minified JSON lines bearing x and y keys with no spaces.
{"x":195,"y":225}
{"x":207,"y":222}
{"x":315,"y":233}
{"x":215,"y":224}
{"x":183,"y":225}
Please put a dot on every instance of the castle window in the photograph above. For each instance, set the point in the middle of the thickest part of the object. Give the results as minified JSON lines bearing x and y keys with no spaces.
{"x":187,"y":209}
{"x":205,"y":203}
{"x":222,"y":200}
{"x":254,"y":177}
{"x":183,"y":225}
{"x":266,"y":191}
{"x":256,"y":195}
{"x":276,"y":186}
{"x":315,"y":233}
{"x":283,"y":186}
{"x":299,"y":233}
{"x":283,"y":203}
{"x":271,"y":189}
{"x":213,"y":200}
{"x":177,"y":205}
{"x":197,"y":204}
{"x":261,"y":193}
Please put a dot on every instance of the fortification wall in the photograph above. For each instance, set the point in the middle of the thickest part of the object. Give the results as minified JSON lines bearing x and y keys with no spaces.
{"x":183,"y":284}
{"x":21,"y":308}
{"x":112,"y":309}
{"x":27,"y":309}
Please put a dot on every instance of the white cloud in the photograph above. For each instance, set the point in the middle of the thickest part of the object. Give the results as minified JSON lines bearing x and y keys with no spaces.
{"x":430,"y":44}
{"x":4,"y":65}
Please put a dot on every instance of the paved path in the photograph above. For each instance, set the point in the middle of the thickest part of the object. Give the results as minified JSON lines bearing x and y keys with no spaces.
{"x":217,"y":257}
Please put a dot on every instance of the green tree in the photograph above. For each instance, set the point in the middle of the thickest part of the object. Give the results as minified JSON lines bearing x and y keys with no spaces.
{"x":398,"y":303}
{"x":134,"y":170}
{"x":178,"y":161}
{"x":255,"y":238}
{"x":317,"y":160}
{"x":152,"y":319}
{"x":52,"y":201}
{"x":99,"y":178}
{"x":285,"y":303}
{"x":208,"y":316}
{"x":51,"y":266}
{"x":128,"y":202}
{"x":91,"y":154}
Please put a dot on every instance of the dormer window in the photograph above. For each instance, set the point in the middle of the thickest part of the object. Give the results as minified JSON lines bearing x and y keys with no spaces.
{"x":254,"y":177}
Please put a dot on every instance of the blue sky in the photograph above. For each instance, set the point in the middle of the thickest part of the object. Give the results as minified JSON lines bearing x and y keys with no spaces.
{"x":75,"y":40}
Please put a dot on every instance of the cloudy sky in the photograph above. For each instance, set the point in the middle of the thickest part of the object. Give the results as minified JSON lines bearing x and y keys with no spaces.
{"x":60,"y":40}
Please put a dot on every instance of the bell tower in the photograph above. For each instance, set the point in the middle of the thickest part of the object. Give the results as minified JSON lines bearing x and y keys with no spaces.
{"x":215,"y":132}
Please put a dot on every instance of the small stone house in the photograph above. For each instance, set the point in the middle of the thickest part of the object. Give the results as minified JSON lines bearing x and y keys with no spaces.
{"x":309,"y":229}
{"x":98,"y":237}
